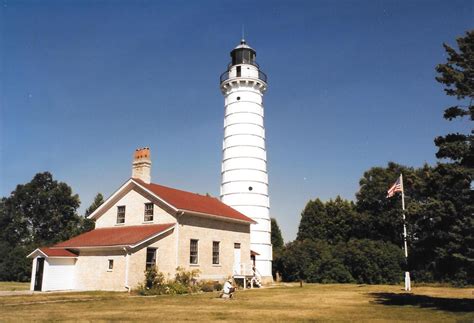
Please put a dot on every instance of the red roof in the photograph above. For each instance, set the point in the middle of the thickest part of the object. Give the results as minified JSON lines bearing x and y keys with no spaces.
{"x":57,"y":252}
{"x":115,"y":236}
{"x":194,"y":202}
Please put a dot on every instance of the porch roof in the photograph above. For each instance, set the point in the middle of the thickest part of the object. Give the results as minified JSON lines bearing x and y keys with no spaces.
{"x":127,"y":236}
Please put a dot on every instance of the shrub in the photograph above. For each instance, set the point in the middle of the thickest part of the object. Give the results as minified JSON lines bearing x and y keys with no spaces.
{"x":207,"y":286}
{"x":156,"y":284}
{"x":218,"y":286}
{"x":176,"y":288}
{"x":362,"y":261}
{"x":186,"y":278}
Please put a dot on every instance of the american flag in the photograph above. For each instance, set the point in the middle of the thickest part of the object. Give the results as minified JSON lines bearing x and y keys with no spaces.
{"x":397,"y":187}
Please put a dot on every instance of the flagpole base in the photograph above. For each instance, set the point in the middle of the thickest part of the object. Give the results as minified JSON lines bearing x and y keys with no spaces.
{"x":407,"y":281}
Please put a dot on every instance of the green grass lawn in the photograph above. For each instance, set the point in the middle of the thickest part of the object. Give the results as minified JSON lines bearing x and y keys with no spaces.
{"x":334,"y":302}
{"x":12,"y":286}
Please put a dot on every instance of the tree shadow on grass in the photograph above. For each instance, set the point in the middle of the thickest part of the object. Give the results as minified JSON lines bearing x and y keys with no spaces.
{"x":440,"y":303}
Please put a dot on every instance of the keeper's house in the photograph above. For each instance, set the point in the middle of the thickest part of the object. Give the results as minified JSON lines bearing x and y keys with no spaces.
{"x":144,"y":224}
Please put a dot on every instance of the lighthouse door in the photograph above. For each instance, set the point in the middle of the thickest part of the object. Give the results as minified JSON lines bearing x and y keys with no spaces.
{"x":237,"y":259}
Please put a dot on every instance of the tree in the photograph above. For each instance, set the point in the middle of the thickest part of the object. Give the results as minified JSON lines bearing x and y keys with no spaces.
{"x":276,"y":237}
{"x":457,"y":74}
{"x":313,"y":215}
{"x":381,"y":216}
{"x":372,"y":261}
{"x":89,"y":224}
{"x":332,"y":221}
{"x":341,"y":220}
{"x":446,"y":219}
{"x":277,"y":244}
{"x":98,"y":200}
{"x":39,"y":213}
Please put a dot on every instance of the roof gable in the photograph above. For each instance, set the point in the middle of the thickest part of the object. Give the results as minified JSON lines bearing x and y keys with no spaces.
{"x":175,"y":201}
{"x":52,"y":253}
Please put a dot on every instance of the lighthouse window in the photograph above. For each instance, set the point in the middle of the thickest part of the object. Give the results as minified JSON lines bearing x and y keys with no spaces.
{"x":239,"y":71}
{"x":238,"y":98}
{"x":250,"y":188}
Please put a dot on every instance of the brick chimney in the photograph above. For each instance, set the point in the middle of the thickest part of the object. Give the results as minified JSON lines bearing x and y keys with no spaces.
{"x":141,"y":168}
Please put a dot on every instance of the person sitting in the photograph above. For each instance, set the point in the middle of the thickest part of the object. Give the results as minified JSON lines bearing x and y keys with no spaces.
{"x":228,"y":290}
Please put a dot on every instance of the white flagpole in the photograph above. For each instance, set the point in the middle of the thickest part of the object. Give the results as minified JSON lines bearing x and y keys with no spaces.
{"x":407,"y":273}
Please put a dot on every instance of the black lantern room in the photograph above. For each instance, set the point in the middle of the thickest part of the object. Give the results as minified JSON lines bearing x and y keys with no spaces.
{"x":243,"y":54}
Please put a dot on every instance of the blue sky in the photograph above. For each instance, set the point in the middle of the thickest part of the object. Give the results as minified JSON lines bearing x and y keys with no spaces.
{"x":351,"y":86}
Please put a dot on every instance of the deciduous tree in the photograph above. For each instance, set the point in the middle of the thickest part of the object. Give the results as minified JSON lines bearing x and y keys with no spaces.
{"x":41,"y":212}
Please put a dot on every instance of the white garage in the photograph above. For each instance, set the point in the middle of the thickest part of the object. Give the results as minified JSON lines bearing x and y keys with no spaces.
{"x":53,"y":269}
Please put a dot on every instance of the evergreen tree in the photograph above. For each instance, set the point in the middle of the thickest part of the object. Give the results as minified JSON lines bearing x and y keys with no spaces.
{"x":451,"y":237}
{"x":276,"y":237}
{"x":457,"y":75}
{"x":278,"y":245}
{"x":381,"y":216}
{"x":98,"y":200}
{"x":313,"y":215}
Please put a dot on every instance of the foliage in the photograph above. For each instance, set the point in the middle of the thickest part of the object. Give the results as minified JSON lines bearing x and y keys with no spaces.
{"x":443,"y":227}
{"x":362,"y":261}
{"x":382,"y":217}
{"x":277,"y":244}
{"x":98,"y":201}
{"x":312,"y":217}
{"x":89,"y":224}
{"x":39,"y":213}
{"x":331,"y":221}
{"x":276,"y":237}
{"x":451,"y":237}
{"x":457,"y":75}
{"x":186,"y":278}
{"x":155,"y":282}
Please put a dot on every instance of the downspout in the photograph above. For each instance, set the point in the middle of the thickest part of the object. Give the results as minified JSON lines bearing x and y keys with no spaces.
{"x":127,"y":261}
{"x":178,"y":214}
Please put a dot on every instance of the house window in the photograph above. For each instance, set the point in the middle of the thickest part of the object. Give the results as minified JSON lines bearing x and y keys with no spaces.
{"x":193,"y":252}
{"x":111,"y":264}
{"x":215,"y":252}
{"x":148,"y":211}
{"x":121,"y":214}
{"x":150,"y":258}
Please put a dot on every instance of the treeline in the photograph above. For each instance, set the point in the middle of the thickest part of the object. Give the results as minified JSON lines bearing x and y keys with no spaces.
{"x":343,"y":241}
{"x":39,"y":213}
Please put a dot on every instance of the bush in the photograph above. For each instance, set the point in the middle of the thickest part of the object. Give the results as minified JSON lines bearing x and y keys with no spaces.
{"x":207,"y":286}
{"x":218,"y":286}
{"x":175,"y":288}
{"x":186,"y":278}
{"x":156,"y":284}
{"x":362,"y":261}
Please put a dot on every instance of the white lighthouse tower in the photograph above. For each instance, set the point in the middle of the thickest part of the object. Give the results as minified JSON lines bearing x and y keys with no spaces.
{"x":244,"y":162}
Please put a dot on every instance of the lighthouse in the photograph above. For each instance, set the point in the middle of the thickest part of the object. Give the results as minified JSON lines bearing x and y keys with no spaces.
{"x":244,"y":158}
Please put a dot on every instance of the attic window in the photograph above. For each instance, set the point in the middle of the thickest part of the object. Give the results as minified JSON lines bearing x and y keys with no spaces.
{"x":148,"y":212}
{"x":120,"y":214}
